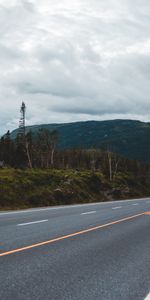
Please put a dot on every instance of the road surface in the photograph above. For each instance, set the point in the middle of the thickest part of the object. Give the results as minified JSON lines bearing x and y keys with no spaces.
{"x":94,"y":251}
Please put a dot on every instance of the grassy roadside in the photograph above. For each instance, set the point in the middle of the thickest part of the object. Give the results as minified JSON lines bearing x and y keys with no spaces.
{"x":35,"y":188}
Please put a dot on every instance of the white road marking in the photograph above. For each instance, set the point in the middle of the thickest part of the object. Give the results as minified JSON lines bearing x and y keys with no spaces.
{"x":88,"y":212}
{"x":117,"y":207}
{"x":30,"y":223}
{"x":148,"y":297}
{"x":135,"y":204}
{"x":67,"y":206}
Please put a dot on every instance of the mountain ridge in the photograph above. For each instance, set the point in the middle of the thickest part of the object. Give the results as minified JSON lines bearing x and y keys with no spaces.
{"x":130,"y":138}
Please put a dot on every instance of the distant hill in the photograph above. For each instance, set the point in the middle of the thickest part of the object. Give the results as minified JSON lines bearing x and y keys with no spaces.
{"x":126,"y":137}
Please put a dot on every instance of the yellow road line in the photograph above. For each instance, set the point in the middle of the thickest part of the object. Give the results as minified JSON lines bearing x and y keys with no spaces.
{"x":71,"y":235}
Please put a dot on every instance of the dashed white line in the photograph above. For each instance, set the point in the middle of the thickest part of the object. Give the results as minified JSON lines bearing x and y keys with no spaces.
{"x":88,"y":212}
{"x":135,"y":204}
{"x":148,"y":297}
{"x":30,"y":223}
{"x":3,"y":213}
{"x":117,"y":207}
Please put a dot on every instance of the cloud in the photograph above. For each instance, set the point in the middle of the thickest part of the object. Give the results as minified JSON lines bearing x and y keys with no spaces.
{"x":74,"y":61}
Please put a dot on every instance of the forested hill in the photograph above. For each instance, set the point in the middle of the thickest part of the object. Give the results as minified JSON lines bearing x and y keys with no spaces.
{"x":126,"y":137}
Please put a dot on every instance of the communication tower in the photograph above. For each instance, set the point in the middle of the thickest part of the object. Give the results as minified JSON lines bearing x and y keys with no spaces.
{"x":22,"y":121}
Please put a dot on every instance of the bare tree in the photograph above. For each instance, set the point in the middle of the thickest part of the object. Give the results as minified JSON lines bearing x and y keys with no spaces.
{"x":54,"y":139}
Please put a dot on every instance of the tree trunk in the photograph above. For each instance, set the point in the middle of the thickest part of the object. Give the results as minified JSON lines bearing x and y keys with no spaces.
{"x":52,"y":156}
{"x":110,"y":166}
{"x":28,"y":155}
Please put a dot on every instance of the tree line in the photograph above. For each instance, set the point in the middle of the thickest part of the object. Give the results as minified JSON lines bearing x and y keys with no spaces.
{"x":42,"y":152}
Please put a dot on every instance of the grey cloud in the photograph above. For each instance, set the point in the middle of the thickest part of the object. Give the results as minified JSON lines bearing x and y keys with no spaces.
{"x":7,"y":53}
{"x":29,"y":6}
{"x":77,"y":59}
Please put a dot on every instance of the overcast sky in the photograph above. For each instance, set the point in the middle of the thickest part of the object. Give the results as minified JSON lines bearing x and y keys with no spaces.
{"x":74,"y":60}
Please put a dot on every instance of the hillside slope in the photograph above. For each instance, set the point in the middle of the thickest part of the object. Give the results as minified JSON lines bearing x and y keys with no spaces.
{"x":126,"y":137}
{"x":33,"y":188}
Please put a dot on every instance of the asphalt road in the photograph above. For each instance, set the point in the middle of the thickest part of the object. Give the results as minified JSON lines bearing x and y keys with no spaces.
{"x":92,"y":252}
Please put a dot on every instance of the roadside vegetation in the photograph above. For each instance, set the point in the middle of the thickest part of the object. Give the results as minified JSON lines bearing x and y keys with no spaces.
{"x":34,"y":172}
{"x":36,"y":188}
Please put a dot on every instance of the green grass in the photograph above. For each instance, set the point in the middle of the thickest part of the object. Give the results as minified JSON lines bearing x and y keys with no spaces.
{"x":36,"y":188}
